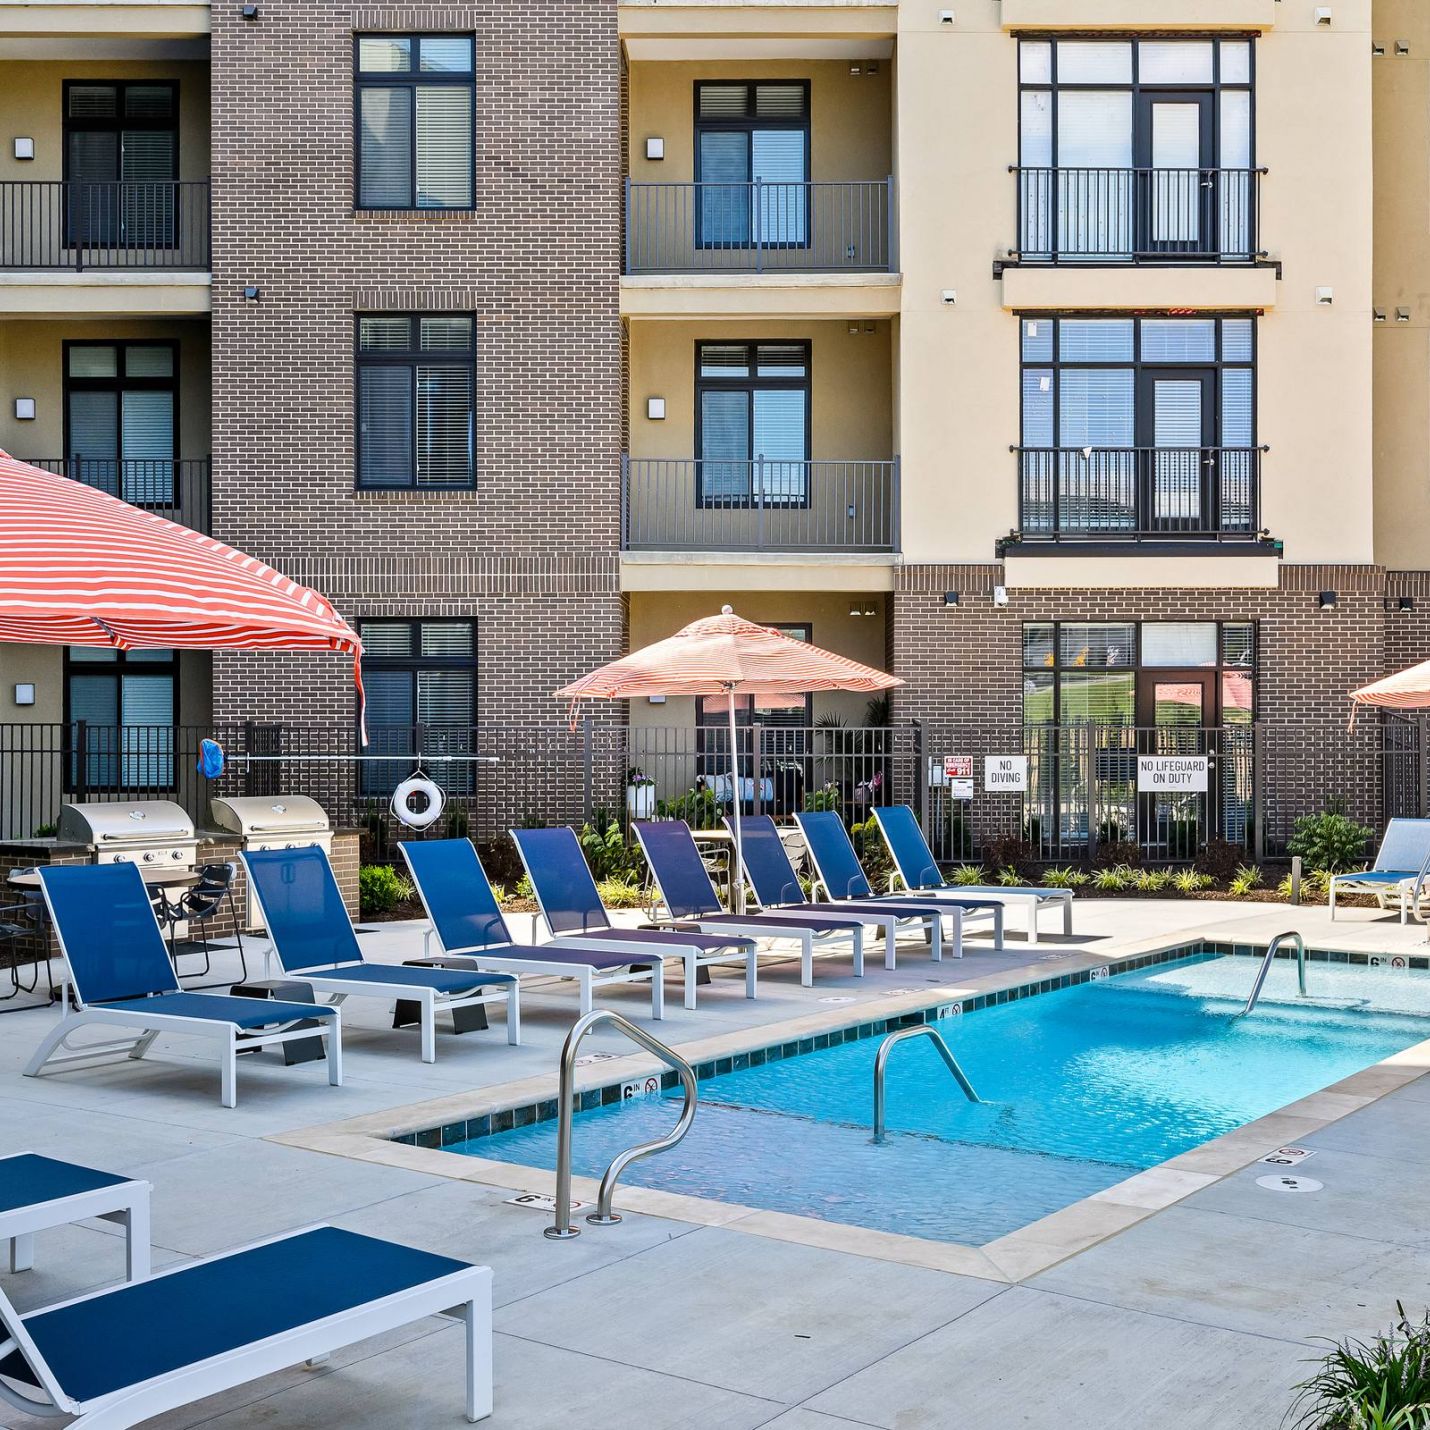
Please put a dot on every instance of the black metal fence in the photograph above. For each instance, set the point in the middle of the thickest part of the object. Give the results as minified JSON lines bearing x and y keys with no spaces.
{"x":79,"y":224}
{"x":177,"y":490}
{"x":1074,"y":791}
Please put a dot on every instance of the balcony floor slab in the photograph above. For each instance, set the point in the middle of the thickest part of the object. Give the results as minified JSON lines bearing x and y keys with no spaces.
{"x":761,"y":295}
{"x":106,"y":292}
{"x":1073,"y":287}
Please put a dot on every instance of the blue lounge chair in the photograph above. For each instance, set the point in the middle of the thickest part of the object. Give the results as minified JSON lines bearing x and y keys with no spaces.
{"x":918,"y":871}
{"x":117,"y":1357}
{"x":777,"y":887}
{"x":314,"y":941}
{"x":571,"y":905}
{"x":1403,"y":854}
{"x":690,"y":898}
{"x":468,"y":924}
{"x":117,"y":964}
{"x":838,"y":871}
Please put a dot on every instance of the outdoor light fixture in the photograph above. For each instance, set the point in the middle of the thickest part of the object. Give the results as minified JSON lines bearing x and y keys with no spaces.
{"x":948,"y":297}
{"x":655,"y":148}
{"x":1401,"y":48}
{"x":1325,"y":295}
{"x":24,"y":409}
{"x":945,"y":17}
{"x":855,"y":609}
{"x":250,"y":293}
{"x":1000,"y":595}
{"x":25,"y":694}
{"x":655,"y":409}
{"x":655,"y":699}
{"x":1405,"y":603}
{"x":1327,"y":600}
{"x":1378,"y":51}
{"x":1402,"y":315}
{"x":250,"y":12}
{"x":1377,"y":315}
{"x":1323,"y":14}
{"x":950,"y":598}
{"x":24,"y":148}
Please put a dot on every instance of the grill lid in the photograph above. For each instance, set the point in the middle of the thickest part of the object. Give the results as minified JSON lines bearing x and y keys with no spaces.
{"x":133,"y":822}
{"x":258,"y":815}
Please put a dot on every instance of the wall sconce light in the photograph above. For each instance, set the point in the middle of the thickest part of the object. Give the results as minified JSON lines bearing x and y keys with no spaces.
{"x":1402,"y":315}
{"x":655,"y":699}
{"x":24,"y":409}
{"x":1327,"y":600}
{"x":25,"y":694}
{"x":1377,"y":52}
{"x":1323,"y":14}
{"x":655,"y":147}
{"x":950,"y":598}
{"x":1000,"y":595}
{"x":250,"y":12}
{"x":655,"y":409}
{"x":948,"y":297}
{"x":855,"y":609}
{"x":251,"y":293}
{"x":1325,"y":295}
{"x":1401,"y":48}
{"x":1405,"y":603}
{"x":1377,"y":315}
{"x":946,"y":17}
{"x":856,"y":68}
{"x":870,"y":609}
{"x":24,"y":148}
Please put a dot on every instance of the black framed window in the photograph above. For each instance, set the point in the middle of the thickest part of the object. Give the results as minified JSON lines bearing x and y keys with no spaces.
{"x":120,"y":712}
{"x":752,"y":423}
{"x":121,"y":159}
{"x":1139,"y":423}
{"x":420,"y":677}
{"x":416,"y":108}
{"x":1137,"y":147}
{"x":416,"y":400}
{"x":752,"y":163}
{"x":122,"y":418}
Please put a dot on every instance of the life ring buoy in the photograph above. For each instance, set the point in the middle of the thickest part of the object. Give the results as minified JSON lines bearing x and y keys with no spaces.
{"x":408,"y":802}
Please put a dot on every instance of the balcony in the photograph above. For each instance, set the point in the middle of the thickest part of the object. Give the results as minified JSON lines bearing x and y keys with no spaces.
{"x":1120,"y":495}
{"x":177,"y":490}
{"x":777,"y":228}
{"x":759,"y":506}
{"x":61,"y":225}
{"x":1137,"y":216}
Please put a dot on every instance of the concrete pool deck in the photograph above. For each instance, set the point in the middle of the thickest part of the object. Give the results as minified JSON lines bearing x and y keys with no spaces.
{"x":1203,"y":1313}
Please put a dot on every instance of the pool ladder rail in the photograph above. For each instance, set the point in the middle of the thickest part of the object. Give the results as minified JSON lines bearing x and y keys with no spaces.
{"x":1266,"y":968}
{"x":561,"y":1229}
{"x":881,"y":1064}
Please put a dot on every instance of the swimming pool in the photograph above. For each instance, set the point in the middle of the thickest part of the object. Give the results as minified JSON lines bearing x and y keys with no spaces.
{"x":1081,"y":1088}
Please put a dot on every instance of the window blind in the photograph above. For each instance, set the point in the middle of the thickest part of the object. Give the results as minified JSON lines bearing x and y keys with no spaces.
{"x":385,"y":415}
{"x":444,"y":147}
{"x":385,"y":153}
{"x":444,"y":426}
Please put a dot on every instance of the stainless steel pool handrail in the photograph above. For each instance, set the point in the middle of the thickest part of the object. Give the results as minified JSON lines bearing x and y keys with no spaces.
{"x":562,"y":1229}
{"x":881,"y":1063}
{"x":1266,"y":968}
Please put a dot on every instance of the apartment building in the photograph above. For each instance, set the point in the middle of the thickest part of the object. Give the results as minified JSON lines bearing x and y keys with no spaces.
{"x":1023,"y":348}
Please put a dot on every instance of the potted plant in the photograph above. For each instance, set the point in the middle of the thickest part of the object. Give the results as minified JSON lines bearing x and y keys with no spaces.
{"x":640,"y":794}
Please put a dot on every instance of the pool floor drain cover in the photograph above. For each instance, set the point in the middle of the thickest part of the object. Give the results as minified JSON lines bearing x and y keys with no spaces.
{"x":1287,"y":1183}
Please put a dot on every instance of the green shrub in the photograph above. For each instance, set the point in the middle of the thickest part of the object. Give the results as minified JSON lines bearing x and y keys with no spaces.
{"x":1010,"y":877}
{"x":697,"y":807}
{"x":819,"y":801}
{"x":380,"y":889}
{"x":1152,"y":881}
{"x":1060,"y":878}
{"x":873,"y":853}
{"x":1329,"y":840}
{"x":965,"y":874}
{"x":1383,"y":1384}
{"x":607,"y":852}
{"x":1245,"y":879}
{"x":1183,"y":837}
{"x":1191,"y":881}
{"x":1113,"y":878}
{"x":45,"y":831}
{"x":1315,"y":885}
{"x":620,"y":894}
{"x":1010,"y":851}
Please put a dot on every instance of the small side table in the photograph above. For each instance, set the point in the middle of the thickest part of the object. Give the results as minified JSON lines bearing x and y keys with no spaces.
{"x":408,"y":1012}
{"x":283,"y":990}
{"x":37,"y":1193}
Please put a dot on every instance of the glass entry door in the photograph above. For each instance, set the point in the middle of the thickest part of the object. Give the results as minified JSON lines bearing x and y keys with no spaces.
{"x":1175,"y":709}
{"x":1175,"y":208}
{"x":1177,"y":417}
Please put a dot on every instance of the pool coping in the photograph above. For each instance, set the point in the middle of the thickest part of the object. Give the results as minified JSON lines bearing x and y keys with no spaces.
{"x":1008,"y":1259}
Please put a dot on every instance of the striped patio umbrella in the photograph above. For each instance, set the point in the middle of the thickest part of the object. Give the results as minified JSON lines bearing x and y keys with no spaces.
{"x":1405,"y":690}
{"x":80,"y":567}
{"x":730,"y":656}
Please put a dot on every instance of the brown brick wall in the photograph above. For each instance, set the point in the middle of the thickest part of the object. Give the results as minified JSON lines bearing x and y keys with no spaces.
{"x":531,"y":553}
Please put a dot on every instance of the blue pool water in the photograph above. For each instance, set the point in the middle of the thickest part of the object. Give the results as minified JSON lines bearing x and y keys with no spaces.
{"x":1082,"y":1087}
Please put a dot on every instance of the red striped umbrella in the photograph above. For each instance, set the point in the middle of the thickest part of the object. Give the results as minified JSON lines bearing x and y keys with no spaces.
{"x":80,"y":567}
{"x":728,"y":655}
{"x":1405,"y":690}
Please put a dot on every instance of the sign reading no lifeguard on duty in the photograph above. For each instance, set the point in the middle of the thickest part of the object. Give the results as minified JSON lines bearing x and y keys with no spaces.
{"x":1171,"y":774}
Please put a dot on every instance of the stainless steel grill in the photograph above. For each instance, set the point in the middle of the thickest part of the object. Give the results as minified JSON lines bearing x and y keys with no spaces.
{"x":154,"y":833}
{"x":273,"y":822}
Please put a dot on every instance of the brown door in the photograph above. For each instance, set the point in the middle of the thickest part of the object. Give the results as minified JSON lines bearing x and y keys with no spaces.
{"x":1174,"y":709}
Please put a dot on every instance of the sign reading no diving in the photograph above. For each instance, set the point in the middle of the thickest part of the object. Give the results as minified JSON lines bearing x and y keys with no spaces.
{"x":1003,"y":774}
{"x":1171,"y":774}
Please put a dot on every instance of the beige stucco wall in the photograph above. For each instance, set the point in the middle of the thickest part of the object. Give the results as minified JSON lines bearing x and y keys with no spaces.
{"x":849,"y":115}
{"x":1401,"y":88}
{"x":958,"y":365}
{"x":32,"y":365}
{"x":32,"y":104}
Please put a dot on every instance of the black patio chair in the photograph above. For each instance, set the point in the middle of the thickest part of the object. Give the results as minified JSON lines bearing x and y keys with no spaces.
{"x":199,"y":905}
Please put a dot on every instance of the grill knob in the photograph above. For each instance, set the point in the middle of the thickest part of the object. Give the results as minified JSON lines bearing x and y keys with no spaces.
{"x":176,"y":854}
{"x":150,"y":856}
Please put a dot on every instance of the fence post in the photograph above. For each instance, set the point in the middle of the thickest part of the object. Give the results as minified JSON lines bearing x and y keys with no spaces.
{"x":588,"y":772}
{"x":759,"y":476}
{"x":81,"y":750}
{"x":1258,"y":793}
{"x":757,"y":759}
{"x":249,"y":729}
{"x":1423,"y":750}
{"x":1092,"y":794}
{"x":757,"y":195}
{"x":919,"y":794}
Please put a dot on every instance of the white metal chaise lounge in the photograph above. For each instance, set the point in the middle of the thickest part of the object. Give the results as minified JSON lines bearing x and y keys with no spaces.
{"x":116,"y":962}
{"x":1404,"y":852}
{"x":314,"y":942}
{"x":117,"y":1357}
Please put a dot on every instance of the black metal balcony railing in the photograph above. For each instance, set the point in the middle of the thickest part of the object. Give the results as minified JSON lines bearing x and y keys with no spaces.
{"x":1085,"y":215}
{"x":760,"y":227}
{"x":177,"y":490}
{"x":761,"y":505}
{"x":79,"y":225}
{"x":1139,"y":493}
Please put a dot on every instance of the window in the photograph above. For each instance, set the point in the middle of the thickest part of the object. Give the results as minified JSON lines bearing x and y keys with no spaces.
{"x":746,"y":134}
{"x":1138,"y":425}
{"x":419,"y":675}
{"x":752,"y":424}
{"x":416,"y":379}
{"x":122,"y":418}
{"x":416,"y":102}
{"x":120,"y":712}
{"x":1136,"y":149}
{"x":121,"y":158}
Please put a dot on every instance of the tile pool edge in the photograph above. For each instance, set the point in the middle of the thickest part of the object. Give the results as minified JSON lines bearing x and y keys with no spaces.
{"x":390,"y":1138}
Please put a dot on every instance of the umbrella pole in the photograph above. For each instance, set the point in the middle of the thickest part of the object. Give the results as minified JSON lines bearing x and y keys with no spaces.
{"x":737,"y":868}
